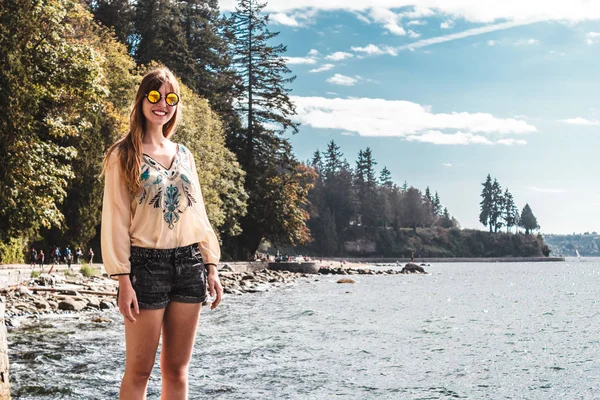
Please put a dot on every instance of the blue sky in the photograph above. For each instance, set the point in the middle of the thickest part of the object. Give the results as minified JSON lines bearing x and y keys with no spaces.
{"x":446,"y":92}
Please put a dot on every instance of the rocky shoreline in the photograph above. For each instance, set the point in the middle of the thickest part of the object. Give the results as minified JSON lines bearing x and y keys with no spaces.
{"x":73,"y":293}
{"x":58,"y":293}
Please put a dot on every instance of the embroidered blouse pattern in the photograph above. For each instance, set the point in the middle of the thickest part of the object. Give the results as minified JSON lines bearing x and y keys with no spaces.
{"x":164,"y":188}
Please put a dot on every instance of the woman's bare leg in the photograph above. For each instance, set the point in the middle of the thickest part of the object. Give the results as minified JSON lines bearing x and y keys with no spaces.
{"x":178,"y":333}
{"x":141,"y":342}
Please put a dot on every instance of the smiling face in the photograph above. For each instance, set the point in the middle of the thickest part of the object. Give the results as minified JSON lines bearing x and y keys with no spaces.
{"x":160,"y":113}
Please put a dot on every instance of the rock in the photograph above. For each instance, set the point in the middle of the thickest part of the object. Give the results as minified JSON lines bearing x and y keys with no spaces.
{"x":411,"y":268}
{"x":71,"y":305}
{"x":93,"y":302}
{"x":69,"y":292}
{"x":100,"y":320}
{"x":41,"y":305}
{"x":106,"y":305}
{"x":346,"y":280}
{"x":226,"y":268}
{"x":24,"y":291}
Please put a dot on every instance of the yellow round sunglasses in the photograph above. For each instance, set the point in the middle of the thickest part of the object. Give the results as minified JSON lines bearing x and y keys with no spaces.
{"x":154,"y":97}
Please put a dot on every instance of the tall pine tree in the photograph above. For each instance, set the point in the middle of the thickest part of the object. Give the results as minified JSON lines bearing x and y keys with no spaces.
{"x":265,"y":107}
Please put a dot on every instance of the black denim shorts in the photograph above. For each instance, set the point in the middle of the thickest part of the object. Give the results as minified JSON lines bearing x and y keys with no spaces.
{"x":160,"y":276}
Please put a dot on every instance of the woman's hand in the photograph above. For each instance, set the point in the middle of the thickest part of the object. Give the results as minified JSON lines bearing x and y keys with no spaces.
{"x":127,"y":297}
{"x":214,"y":285}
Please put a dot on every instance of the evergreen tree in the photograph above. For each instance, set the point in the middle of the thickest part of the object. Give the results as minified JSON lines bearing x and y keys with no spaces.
{"x":485,"y":216}
{"x":117,"y":15}
{"x":528,"y":221}
{"x":414,"y":210}
{"x":212,"y":76}
{"x":437,"y":205}
{"x":428,"y":196}
{"x":497,"y":206}
{"x":263,"y":102}
{"x":405,"y":186}
{"x":366,"y":185}
{"x":160,"y":36}
{"x":385,"y":178}
{"x":334,"y":160}
{"x":317,"y":162}
{"x":511,"y":213}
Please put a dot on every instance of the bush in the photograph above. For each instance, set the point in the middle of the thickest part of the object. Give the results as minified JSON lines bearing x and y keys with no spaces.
{"x":35,"y":274}
{"x":13,"y":251}
{"x":88,"y":271}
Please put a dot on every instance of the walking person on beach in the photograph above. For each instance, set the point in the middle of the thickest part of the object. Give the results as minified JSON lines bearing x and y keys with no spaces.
{"x":157,"y":240}
{"x":40,"y":258}
{"x":91,"y":256}
{"x":32,"y":257}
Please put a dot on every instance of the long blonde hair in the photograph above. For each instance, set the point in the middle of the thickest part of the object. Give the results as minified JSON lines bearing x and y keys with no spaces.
{"x":130,"y":146}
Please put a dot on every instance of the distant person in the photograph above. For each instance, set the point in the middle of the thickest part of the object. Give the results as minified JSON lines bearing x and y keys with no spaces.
{"x":32,"y":257}
{"x":412,"y":256}
{"x":68,"y":257}
{"x":164,"y":253}
{"x":79,"y":254}
{"x":91,"y":256}
{"x":40,"y":258}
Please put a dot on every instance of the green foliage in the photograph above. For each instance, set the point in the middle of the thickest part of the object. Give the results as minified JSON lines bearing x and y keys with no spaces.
{"x":88,"y":271}
{"x":219,"y":173}
{"x":527,"y":220}
{"x":276,"y":184}
{"x":12,"y":250}
{"x":485,"y":216}
{"x":35,"y":274}
{"x":49,"y":77}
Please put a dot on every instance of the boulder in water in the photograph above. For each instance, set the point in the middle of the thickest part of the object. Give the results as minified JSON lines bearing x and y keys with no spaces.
{"x":412,"y":268}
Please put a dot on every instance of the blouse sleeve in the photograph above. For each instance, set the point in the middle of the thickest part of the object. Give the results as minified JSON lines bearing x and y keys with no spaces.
{"x":116,"y":220}
{"x":209,"y":245}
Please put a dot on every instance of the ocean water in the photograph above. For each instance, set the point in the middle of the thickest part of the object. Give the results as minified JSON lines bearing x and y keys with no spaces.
{"x":471,"y":331}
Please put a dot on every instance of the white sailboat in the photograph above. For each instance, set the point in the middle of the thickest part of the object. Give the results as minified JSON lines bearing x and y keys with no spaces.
{"x":578,"y":255}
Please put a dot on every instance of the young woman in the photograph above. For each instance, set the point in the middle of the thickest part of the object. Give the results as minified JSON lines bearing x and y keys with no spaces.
{"x":157,"y":240}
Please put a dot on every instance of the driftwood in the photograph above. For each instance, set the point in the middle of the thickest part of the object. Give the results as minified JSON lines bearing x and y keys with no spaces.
{"x":46,"y":289}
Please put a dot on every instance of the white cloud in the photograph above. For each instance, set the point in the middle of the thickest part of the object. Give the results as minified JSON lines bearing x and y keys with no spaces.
{"x":447,"y":165}
{"x":478,"y":11}
{"x":592,"y":37}
{"x":437,"y":137}
{"x":492,"y":42}
{"x":339,"y":79}
{"x":580,"y":121}
{"x":300,"y":60}
{"x":416,"y":22}
{"x":545,"y":190}
{"x":524,"y":42}
{"x":379,"y":117}
{"x":348,"y":134}
{"x":455,"y":36}
{"x":363,"y":18}
{"x":331,"y":93}
{"x":389,"y":19}
{"x":324,"y":67}
{"x":448,"y":24}
{"x":419,"y":11}
{"x":413,"y":35}
{"x":284,"y":19}
{"x":371,"y":49}
{"x":512,"y":142}
{"x":339,"y":55}
{"x":313,"y":53}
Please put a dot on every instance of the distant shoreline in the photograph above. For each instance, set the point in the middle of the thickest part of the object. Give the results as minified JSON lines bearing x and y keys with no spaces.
{"x":417,"y":260}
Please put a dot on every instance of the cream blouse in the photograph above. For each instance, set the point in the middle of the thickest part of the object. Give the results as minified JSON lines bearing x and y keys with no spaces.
{"x":168,"y":212}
